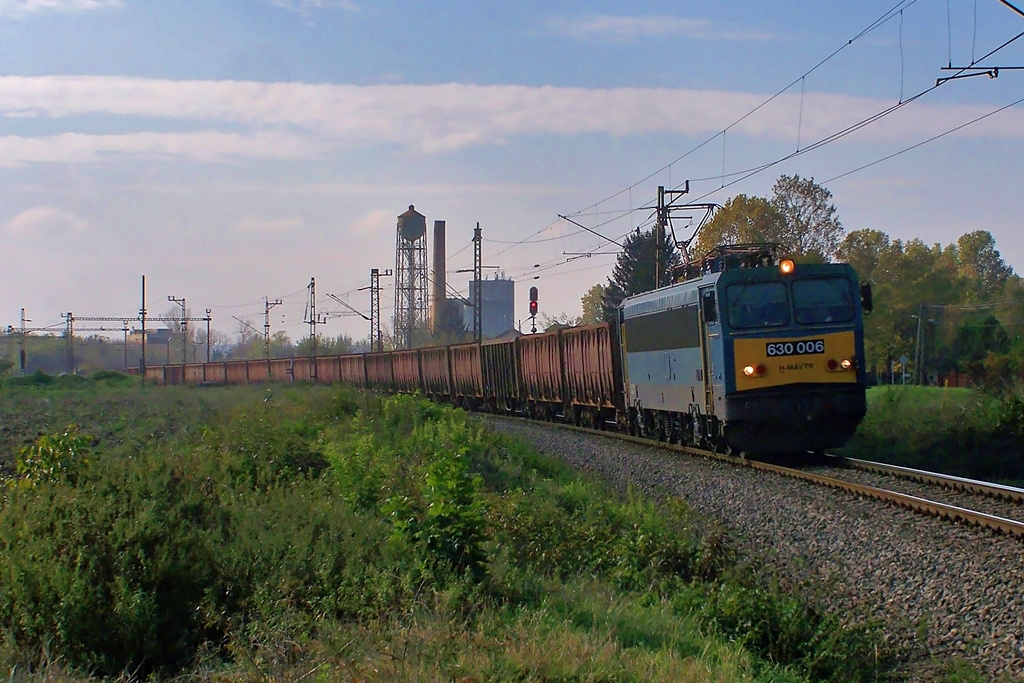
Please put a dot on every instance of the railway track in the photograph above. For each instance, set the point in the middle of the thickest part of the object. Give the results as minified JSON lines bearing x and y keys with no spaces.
{"x":964,"y":501}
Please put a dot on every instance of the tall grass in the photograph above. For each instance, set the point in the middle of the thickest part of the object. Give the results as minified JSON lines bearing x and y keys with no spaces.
{"x":321,"y":532}
{"x":956,"y":431}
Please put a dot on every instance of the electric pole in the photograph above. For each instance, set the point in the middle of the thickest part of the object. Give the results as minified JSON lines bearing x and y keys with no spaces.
{"x":478,"y":295}
{"x":184,"y":331}
{"x":267,"y":305}
{"x":69,"y":336}
{"x":22,"y":341}
{"x":376,"y":342}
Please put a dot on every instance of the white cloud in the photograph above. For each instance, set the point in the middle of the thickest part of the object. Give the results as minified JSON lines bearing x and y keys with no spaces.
{"x":248,"y":120}
{"x":259,"y":225}
{"x":302,"y":6}
{"x":630,"y":28}
{"x":43,"y":222}
{"x":374,"y":223}
{"x":203,"y":147}
{"x":24,"y":8}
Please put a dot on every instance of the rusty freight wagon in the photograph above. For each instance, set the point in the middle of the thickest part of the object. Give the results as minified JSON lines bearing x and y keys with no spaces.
{"x":379,"y":371}
{"x":405,"y":371}
{"x":467,"y":376}
{"x":436,"y":373}
{"x":500,"y":368}
{"x":593,"y":375}
{"x":540,"y":370}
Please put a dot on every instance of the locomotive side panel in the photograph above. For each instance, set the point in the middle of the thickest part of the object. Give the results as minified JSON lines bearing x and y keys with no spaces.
{"x":662,"y":349}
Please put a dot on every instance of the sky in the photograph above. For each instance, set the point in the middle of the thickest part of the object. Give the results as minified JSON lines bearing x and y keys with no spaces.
{"x":233,"y":150}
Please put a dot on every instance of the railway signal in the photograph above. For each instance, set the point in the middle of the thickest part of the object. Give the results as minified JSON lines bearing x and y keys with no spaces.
{"x":533,"y":309}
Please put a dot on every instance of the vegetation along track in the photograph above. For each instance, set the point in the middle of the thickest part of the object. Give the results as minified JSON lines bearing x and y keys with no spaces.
{"x":992,"y":506}
{"x":942,"y":589}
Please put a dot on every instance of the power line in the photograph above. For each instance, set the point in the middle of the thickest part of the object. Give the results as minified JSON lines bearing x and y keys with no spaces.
{"x":899,"y":6}
{"x":925,"y":142}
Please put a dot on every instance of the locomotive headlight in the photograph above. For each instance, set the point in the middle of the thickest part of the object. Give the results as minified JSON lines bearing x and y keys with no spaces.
{"x":759,"y":370}
{"x":846,"y":363}
{"x":786,"y":266}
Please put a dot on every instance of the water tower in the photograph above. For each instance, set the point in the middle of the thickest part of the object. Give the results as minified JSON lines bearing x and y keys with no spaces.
{"x":411,"y":298}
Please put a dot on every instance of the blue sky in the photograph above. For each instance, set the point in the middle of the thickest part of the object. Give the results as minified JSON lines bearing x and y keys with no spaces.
{"x":233,"y":149}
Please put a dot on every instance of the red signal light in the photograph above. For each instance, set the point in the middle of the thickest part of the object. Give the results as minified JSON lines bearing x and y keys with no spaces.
{"x":533,"y":308}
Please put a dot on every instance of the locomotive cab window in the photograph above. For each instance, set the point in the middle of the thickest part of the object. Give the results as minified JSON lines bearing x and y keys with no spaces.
{"x":823,"y":300}
{"x":758,"y":304}
{"x":708,"y":306}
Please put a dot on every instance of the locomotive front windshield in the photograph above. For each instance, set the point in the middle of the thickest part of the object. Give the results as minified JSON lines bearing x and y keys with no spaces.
{"x":823,"y":300}
{"x":815,"y":301}
{"x":758,"y":304}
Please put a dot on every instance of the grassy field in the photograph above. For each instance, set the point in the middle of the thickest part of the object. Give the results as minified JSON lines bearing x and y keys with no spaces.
{"x":956,"y":431}
{"x":315,"y":532}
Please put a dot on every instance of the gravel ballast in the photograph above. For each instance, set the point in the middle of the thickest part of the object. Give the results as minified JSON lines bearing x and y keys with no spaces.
{"x":944,"y":590}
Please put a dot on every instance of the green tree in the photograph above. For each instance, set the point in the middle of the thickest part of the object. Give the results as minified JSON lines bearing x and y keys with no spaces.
{"x":800,"y":217}
{"x":451,"y":327}
{"x":862,"y":249}
{"x":634,"y":270}
{"x":743,"y":220}
{"x":981,"y":264}
{"x":976,"y":340}
{"x":592,"y":305}
{"x":812,"y":227}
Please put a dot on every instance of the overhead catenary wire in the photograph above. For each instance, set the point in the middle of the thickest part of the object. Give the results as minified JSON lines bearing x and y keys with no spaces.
{"x":744,"y":174}
{"x":902,"y":4}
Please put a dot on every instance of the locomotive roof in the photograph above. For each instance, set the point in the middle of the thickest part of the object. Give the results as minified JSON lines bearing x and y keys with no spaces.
{"x":673,"y":296}
{"x":685,"y":293}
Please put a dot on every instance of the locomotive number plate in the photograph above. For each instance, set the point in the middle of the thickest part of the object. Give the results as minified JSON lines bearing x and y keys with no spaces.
{"x":799,"y":348}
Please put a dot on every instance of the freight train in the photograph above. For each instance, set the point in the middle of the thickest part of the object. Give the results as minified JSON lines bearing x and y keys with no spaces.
{"x":746,"y":353}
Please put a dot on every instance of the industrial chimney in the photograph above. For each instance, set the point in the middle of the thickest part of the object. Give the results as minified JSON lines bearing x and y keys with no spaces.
{"x":440,"y":295}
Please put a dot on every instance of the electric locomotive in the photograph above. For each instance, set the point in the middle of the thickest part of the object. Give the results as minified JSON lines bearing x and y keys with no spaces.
{"x":748,"y":354}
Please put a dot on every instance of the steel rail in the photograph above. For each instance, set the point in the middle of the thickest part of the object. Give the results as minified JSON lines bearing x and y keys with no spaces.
{"x":913,"y":503}
{"x":1010,"y":493}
